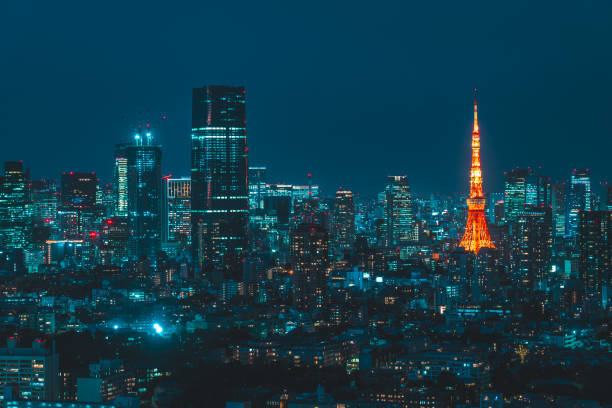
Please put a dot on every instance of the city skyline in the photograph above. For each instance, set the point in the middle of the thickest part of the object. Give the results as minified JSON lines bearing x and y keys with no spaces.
{"x":308,"y":92}
{"x":146,"y":118}
{"x":281,"y":205}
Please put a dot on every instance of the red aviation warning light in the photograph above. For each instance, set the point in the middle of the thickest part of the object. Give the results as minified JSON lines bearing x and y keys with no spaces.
{"x":476,"y":233}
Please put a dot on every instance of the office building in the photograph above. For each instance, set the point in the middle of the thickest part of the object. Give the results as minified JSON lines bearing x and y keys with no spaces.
{"x":78,"y":190}
{"x":579,"y":198}
{"x":45,"y":201}
{"x":595,"y":246}
{"x":120,"y":183}
{"x":257,"y":187}
{"x":176,"y":210}
{"x":310,"y":260}
{"x":143,"y":195}
{"x":399,"y":224}
{"x":515,"y":193}
{"x":343,"y":228}
{"x":218,"y":174}
{"x":558,"y":209}
{"x":532,"y":247}
{"x":31,"y":372}
{"x":14,"y":206}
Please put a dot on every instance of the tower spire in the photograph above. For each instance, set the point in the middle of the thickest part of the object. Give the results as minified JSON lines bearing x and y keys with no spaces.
{"x":476,"y":234}
{"x":475,"y":111}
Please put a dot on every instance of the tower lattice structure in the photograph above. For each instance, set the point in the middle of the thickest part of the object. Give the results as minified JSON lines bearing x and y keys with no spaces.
{"x":476,"y":233}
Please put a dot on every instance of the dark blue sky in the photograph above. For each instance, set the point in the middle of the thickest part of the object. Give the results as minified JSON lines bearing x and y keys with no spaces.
{"x":350,"y":91}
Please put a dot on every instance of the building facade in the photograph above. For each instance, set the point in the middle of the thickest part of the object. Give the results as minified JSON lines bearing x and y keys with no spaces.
{"x":220,"y":199}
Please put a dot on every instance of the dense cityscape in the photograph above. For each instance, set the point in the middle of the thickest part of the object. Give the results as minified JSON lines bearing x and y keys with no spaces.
{"x":226,"y":288}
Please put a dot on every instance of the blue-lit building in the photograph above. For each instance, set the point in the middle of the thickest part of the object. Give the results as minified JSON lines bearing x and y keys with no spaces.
{"x":257,"y":187}
{"x":144,"y":193}
{"x":15,"y":209}
{"x":399,"y":223}
{"x":579,"y":198}
{"x":176,"y":210}
{"x":220,"y":196}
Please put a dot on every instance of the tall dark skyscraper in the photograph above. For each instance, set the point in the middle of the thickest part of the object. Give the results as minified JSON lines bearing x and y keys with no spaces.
{"x":78,"y":189}
{"x":14,"y":206}
{"x":344,"y":221}
{"x":558,"y":208}
{"x":143,"y":196}
{"x":515,"y":192}
{"x":399,"y":225}
{"x":595,"y":244}
{"x":532,"y":246}
{"x":579,"y":198}
{"x":309,"y":255}
{"x":219,"y":185}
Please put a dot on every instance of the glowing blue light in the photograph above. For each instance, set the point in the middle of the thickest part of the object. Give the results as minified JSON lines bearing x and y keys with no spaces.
{"x":379,"y":279}
{"x":158,"y":329}
{"x":115,"y":327}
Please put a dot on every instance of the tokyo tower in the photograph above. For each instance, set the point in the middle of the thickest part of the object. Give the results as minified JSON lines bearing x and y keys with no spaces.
{"x":476,"y":234}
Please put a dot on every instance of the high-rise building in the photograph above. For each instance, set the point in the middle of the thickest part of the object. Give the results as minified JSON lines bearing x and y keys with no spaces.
{"x":257,"y":187}
{"x":583,"y":177}
{"x":595,"y":244}
{"x":44,"y":200}
{"x":476,"y":233}
{"x":144,"y":196}
{"x":343,"y":229}
{"x":33,"y":372}
{"x":78,"y":190}
{"x":120,"y":184}
{"x":558,"y":209}
{"x":218,"y":174}
{"x":78,"y":214}
{"x":515,"y":192}
{"x":532,"y":247}
{"x":399,"y":224}
{"x":14,"y":206}
{"x":309,"y":255}
{"x":114,"y":236}
{"x":579,"y":198}
{"x":176,"y":210}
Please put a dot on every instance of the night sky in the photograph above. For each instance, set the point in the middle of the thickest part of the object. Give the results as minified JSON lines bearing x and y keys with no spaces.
{"x":349,"y":91}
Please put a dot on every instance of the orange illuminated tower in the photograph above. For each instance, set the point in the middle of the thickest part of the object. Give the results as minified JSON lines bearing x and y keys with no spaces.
{"x":476,"y":234}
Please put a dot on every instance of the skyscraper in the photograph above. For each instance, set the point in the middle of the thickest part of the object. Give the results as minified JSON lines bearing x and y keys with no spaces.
{"x":78,"y":213}
{"x":595,"y":244}
{"x":257,"y":187}
{"x":579,"y":198}
{"x":532,"y":246}
{"x":218,"y":173}
{"x":14,"y":205}
{"x":309,"y":255}
{"x":558,"y":209}
{"x":143,"y":196}
{"x":344,"y":220}
{"x":515,"y":192}
{"x":176,"y":210}
{"x":583,"y":177}
{"x":44,"y":200}
{"x":78,"y":190}
{"x":476,"y":233}
{"x":120,"y":185}
{"x":399,"y":225}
